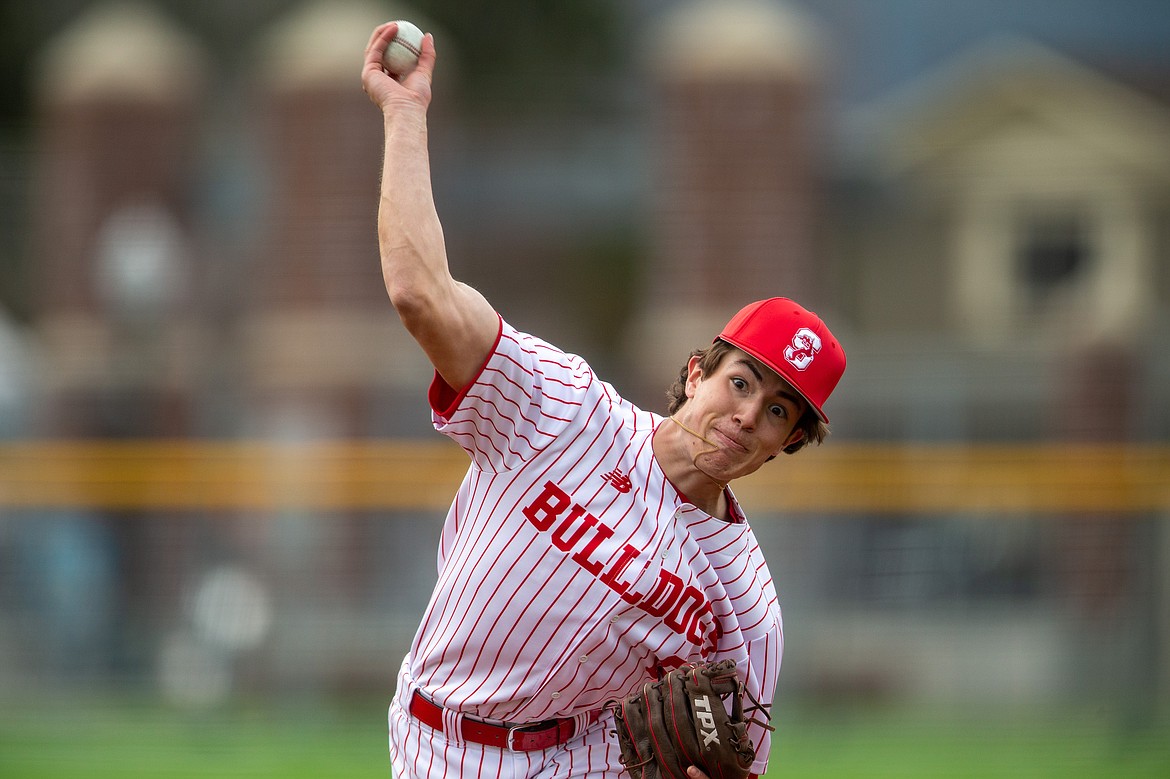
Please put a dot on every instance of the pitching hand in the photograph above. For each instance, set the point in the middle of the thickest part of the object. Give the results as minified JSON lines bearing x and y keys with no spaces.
{"x":386,"y":91}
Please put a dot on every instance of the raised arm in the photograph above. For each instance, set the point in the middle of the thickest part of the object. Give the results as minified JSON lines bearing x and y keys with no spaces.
{"x":452,"y":322}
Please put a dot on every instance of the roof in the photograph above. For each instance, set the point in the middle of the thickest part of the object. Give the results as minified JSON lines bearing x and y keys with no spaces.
{"x":720,"y":38}
{"x":121,"y":49}
{"x":1012,"y":79}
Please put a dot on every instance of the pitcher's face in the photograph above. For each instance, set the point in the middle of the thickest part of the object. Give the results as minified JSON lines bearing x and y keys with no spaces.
{"x":743,"y":411}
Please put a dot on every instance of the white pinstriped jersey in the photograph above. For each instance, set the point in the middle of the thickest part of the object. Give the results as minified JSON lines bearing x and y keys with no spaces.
{"x":570,"y":569}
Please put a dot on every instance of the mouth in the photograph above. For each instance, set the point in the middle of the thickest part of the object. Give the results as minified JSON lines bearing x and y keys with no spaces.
{"x":728,"y":442}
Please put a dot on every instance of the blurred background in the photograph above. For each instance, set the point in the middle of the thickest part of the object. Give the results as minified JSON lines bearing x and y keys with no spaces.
{"x":220,"y":494}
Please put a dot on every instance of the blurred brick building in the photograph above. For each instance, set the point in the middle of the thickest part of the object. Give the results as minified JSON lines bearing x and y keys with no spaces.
{"x":117,"y":266}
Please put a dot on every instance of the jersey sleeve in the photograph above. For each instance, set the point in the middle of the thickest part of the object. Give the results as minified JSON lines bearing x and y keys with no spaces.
{"x":527,"y":393}
{"x":764,"y":655}
{"x":761,"y":624}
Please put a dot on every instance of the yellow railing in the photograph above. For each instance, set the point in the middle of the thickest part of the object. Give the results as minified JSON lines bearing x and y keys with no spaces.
{"x":390,"y":475}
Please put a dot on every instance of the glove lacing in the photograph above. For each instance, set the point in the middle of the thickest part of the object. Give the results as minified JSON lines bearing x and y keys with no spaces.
{"x":757,"y":706}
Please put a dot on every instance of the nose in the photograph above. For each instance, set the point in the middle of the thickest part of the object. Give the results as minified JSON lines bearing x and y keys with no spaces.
{"x":747,"y":413}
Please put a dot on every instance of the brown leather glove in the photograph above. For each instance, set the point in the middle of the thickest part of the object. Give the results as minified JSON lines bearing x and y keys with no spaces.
{"x":681,"y":721}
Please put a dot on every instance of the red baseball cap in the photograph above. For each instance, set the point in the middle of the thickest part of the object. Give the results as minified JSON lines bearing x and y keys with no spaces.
{"x":793,"y":342}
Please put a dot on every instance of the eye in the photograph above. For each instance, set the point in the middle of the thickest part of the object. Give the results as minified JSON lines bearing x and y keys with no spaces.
{"x":779,"y":411}
{"x":739,"y":383}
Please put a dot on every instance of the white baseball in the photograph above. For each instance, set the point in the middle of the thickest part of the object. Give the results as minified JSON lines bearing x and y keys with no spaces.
{"x":402,"y":53}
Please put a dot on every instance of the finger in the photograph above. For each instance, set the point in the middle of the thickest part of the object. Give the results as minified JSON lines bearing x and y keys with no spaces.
{"x":427,"y":56}
{"x":384,"y":32}
{"x":425,"y":69}
{"x":379,"y":40}
{"x":427,"y":49}
{"x":372,"y":66}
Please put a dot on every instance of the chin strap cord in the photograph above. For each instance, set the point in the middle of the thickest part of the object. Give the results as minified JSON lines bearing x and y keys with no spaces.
{"x":695,"y":460}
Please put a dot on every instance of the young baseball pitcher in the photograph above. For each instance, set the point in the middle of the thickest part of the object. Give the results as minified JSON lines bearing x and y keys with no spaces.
{"x":592,"y":545}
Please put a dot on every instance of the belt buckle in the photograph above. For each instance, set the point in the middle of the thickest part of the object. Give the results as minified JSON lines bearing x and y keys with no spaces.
{"x":512,"y":731}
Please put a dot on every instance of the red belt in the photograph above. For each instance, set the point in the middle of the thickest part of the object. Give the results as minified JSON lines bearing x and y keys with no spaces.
{"x":518,"y":738}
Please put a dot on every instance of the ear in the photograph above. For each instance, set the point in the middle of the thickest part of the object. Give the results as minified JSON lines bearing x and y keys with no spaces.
{"x":694,"y":376}
{"x":794,"y":437}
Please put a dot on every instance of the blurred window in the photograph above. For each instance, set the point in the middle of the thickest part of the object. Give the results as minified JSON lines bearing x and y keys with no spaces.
{"x":1053,"y":247}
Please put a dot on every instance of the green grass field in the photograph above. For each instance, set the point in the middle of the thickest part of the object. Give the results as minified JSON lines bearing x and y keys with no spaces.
{"x":120,"y":740}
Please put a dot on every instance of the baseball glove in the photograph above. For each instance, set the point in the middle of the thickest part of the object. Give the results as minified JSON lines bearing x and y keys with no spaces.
{"x":681,"y":721}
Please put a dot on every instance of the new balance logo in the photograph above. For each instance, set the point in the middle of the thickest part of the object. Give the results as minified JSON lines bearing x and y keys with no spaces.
{"x":618,"y":480}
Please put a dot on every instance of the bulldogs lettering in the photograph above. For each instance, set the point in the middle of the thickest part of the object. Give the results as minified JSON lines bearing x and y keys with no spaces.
{"x":574,"y":530}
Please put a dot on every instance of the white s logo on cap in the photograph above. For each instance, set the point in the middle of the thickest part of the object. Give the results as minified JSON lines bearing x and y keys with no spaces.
{"x":805,"y":345}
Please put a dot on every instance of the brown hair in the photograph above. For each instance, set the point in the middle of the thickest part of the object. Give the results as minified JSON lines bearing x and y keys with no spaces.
{"x":815,"y":431}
